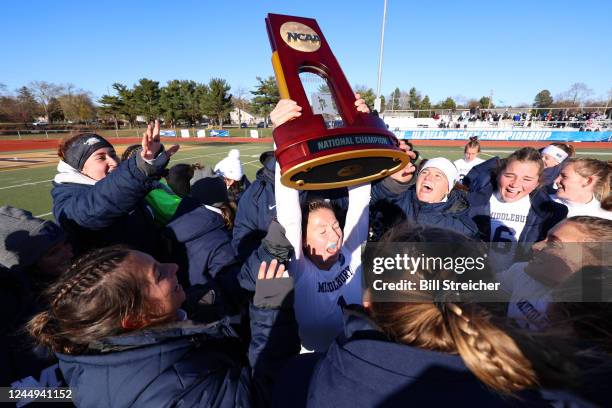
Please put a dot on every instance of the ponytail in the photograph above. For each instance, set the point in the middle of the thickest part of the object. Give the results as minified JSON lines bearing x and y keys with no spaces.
{"x":44,"y":330}
{"x":600,"y":170}
{"x":472,"y":143}
{"x":501,"y":356}
{"x":489,"y":352}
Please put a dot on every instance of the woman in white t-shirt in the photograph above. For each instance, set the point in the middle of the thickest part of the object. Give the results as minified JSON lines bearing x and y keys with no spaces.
{"x":470,"y":157}
{"x":582,"y":184}
{"x":327,"y":259}
{"x":511,"y":209}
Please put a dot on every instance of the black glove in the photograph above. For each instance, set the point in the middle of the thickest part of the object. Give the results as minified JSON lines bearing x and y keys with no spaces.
{"x":276,"y":243}
{"x":157,"y":168}
{"x":274,"y":293}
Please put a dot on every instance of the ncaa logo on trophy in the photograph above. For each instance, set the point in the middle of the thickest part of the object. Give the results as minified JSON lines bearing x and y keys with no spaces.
{"x":331,"y":144}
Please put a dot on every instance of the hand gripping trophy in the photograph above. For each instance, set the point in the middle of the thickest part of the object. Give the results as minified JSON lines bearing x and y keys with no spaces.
{"x":312,"y":154}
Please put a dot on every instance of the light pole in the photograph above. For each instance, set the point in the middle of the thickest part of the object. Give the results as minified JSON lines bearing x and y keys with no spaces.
{"x":380,"y":60}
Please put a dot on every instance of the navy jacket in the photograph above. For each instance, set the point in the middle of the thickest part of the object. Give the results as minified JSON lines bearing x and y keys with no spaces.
{"x":202,"y":244}
{"x":543,"y":214}
{"x":452,"y":214}
{"x":256,"y":209}
{"x":19,"y":302}
{"x":112,"y":211}
{"x":479,"y":176}
{"x":364,"y":369}
{"x":183,"y":364}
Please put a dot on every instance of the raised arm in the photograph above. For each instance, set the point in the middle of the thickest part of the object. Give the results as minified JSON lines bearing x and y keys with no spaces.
{"x":357,"y":216}
{"x":289,"y":212}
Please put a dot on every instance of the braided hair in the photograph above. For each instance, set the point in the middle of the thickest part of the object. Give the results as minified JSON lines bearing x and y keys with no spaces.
{"x":503,"y":357}
{"x":90,"y":301}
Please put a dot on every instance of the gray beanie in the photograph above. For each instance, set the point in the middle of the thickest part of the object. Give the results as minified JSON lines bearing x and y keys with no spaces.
{"x":24,"y":239}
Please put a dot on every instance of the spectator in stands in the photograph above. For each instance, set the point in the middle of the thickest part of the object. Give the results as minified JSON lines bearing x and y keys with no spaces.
{"x":33,"y":254}
{"x":582,"y":184}
{"x":470,"y":157}
{"x":393,"y":352}
{"x":115,"y":323}
{"x":98,"y":201}
{"x":509,"y":207}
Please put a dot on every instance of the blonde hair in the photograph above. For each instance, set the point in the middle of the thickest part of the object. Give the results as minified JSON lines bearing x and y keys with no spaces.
{"x":598,"y":169}
{"x":502,"y":357}
{"x":600,"y":229}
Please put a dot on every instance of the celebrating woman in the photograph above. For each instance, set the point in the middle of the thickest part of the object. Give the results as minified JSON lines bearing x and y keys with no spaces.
{"x":99,"y":201}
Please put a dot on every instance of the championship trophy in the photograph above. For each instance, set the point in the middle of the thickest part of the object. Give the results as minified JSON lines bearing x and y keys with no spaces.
{"x":331,"y":144}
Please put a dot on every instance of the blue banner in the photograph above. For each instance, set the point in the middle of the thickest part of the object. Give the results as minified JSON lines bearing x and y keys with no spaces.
{"x":219,"y":133}
{"x":167,"y":133}
{"x":506,"y":135}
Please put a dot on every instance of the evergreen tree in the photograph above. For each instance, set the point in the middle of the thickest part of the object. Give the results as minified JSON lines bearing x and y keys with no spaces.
{"x":217,"y":102}
{"x":266,"y":96}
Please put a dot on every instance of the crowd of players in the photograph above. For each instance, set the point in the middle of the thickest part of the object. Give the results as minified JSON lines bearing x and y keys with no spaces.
{"x":194,"y":286}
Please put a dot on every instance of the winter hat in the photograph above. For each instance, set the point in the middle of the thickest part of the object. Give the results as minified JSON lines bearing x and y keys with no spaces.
{"x":558,"y":154}
{"x":230,"y":167}
{"x":446,"y":167}
{"x":210,"y":191}
{"x":83,"y":147}
{"x":25,"y":238}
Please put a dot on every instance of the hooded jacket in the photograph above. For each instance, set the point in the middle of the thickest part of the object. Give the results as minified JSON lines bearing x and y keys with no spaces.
{"x":362,"y":368}
{"x":24,"y":239}
{"x":105,"y":212}
{"x":256,"y":209}
{"x":183,"y":364}
{"x":451,"y":214}
{"x":202,"y":245}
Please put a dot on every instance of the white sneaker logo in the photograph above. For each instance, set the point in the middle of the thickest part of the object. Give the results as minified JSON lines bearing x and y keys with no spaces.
{"x":271,"y":207}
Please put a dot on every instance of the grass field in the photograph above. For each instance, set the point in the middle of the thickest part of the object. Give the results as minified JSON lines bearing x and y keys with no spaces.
{"x":26,"y":182}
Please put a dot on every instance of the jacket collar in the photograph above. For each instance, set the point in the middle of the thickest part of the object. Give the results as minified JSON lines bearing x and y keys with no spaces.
{"x":158,"y":334}
{"x":192,"y":220}
{"x":68,"y":174}
{"x":456,"y":202}
{"x":363,"y":338}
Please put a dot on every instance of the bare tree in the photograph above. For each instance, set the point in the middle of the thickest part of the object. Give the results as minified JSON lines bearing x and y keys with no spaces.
{"x":241,"y":102}
{"x":44,"y":92}
{"x":576,"y":95}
